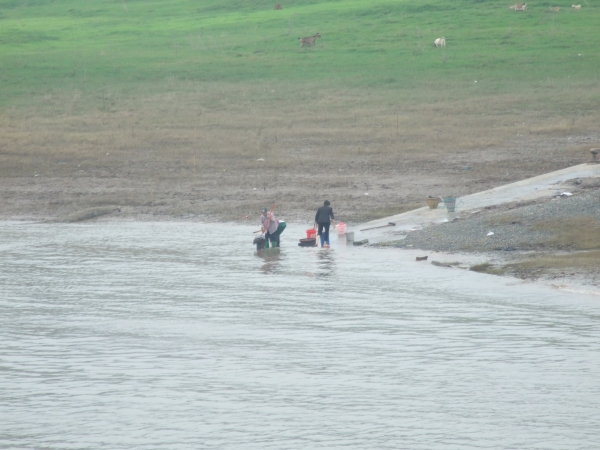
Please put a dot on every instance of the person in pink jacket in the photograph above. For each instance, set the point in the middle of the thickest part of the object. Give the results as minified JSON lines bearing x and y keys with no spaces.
{"x":270,"y":226}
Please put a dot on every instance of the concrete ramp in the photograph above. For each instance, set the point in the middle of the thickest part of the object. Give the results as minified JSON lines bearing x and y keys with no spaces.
{"x":546,"y":185}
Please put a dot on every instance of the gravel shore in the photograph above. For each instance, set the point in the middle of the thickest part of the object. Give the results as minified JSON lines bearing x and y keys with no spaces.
{"x":546,"y":239}
{"x":513,"y":226}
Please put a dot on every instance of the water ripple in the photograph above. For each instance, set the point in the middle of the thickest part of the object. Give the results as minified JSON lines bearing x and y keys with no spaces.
{"x":146,"y":336}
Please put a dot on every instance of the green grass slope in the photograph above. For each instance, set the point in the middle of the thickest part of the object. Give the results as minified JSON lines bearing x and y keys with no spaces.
{"x":76,"y":44}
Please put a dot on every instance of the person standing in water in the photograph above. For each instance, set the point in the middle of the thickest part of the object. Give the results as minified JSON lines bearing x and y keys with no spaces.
{"x":270,"y":227}
{"x":324,"y":218}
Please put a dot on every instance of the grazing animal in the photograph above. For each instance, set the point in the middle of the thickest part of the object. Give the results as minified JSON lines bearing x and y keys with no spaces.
{"x":519,"y":7}
{"x":277,"y":6}
{"x":309,"y":41}
{"x":555,"y":8}
{"x":576,"y":6}
{"x":440,"y":42}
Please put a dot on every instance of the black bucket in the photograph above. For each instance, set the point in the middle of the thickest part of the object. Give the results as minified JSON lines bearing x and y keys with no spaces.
{"x":309,"y":242}
{"x":259,"y":242}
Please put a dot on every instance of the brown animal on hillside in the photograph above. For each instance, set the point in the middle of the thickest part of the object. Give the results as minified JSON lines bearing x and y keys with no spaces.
{"x":277,"y":6}
{"x":309,"y":41}
{"x":555,"y":8}
{"x":519,"y":7}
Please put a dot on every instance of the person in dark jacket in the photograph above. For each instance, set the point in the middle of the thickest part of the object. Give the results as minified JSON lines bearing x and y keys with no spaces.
{"x":324,"y":218}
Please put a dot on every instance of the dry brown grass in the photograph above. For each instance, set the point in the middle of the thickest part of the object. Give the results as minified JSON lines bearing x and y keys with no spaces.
{"x":481,"y":268}
{"x":249,"y":123}
{"x":488,"y":268}
{"x":207,"y":139}
{"x":588,"y":261}
{"x":577,"y":233}
{"x":545,"y":265}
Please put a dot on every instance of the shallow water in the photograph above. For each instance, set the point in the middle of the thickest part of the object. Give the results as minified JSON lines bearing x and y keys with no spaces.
{"x":176,"y":335}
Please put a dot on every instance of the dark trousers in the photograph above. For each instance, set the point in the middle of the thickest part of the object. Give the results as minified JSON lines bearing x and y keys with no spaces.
{"x":324,"y":232}
{"x":274,"y":238}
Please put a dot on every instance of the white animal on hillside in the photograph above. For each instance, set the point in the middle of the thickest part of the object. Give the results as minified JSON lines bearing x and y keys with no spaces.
{"x":439,"y":42}
{"x":576,"y":6}
{"x":519,"y":7}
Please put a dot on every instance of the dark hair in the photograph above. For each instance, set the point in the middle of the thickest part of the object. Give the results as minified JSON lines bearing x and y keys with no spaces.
{"x":326,"y":203}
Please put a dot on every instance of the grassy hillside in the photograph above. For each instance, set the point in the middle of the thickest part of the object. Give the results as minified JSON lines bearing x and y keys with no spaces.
{"x":75,"y":44}
{"x":216,"y":100}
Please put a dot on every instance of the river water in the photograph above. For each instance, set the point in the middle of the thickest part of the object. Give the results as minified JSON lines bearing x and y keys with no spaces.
{"x":178,"y":336}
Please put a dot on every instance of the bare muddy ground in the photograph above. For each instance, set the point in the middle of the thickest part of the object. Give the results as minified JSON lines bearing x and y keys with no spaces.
{"x":361,"y":187}
{"x":221,"y":152}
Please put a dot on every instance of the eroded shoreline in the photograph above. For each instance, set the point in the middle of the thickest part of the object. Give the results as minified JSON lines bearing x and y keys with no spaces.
{"x":554,"y":240}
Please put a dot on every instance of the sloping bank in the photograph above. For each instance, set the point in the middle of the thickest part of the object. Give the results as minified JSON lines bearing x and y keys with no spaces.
{"x":549,"y":238}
